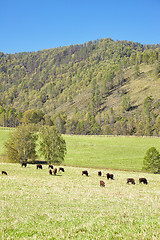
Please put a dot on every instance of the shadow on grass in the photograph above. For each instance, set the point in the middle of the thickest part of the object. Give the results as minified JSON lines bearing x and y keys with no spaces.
{"x":37,"y":162}
{"x":57,"y":175}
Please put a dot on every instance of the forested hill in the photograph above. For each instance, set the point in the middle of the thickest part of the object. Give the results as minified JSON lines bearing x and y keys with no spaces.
{"x":99,"y":87}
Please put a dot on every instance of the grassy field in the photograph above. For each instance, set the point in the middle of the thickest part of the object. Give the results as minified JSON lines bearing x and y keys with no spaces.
{"x":118,"y":152}
{"x":36,"y":205}
{"x":3,"y":137}
{"x":125,"y":153}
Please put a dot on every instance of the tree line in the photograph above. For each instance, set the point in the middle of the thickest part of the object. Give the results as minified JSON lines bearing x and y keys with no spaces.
{"x":146,"y":121}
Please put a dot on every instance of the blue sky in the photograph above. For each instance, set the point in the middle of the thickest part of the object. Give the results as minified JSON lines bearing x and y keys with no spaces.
{"x":32,"y":25}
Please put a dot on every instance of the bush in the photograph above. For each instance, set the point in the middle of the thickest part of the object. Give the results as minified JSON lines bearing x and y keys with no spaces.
{"x":152,"y":160}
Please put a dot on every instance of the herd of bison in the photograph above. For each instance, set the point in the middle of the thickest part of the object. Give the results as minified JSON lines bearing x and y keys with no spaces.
{"x":53,"y":171}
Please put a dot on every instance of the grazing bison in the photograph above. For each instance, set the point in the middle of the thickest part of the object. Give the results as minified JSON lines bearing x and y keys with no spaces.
{"x":102,"y":184}
{"x":39,"y":166}
{"x":24,"y":164}
{"x":109,"y":176}
{"x":130,"y":180}
{"x":143,"y":180}
{"x":50,"y":172}
{"x":100,"y":173}
{"x":50,"y":166}
{"x":85,"y":173}
{"x":4,"y":172}
{"x":55,"y":171}
{"x":61,"y":169}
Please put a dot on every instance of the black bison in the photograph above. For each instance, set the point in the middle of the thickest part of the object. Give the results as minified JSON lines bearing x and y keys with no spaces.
{"x":102,"y":184}
{"x":100,"y":173}
{"x":39,"y":166}
{"x":143,"y":180}
{"x":61,"y":169}
{"x":130,"y":180}
{"x":55,"y":171}
{"x":109,"y":176}
{"x":85,"y":173}
{"x":50,"y":166}
{"x":4,"y":172}
{"x":50,"y":172}
{"x":24,"y":164}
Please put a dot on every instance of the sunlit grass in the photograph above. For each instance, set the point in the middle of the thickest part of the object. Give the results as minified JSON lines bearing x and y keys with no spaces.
{"x":108,"y":152}
{"x":35,"y":205}
{"x":116,"y":152}
{"x":3,"y":137}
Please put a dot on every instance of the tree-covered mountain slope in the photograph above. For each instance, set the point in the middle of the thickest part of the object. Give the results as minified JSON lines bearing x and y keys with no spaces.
{"x":99,"y":87}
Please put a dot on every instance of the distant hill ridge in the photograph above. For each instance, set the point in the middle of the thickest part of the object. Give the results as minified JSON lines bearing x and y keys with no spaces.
{"x":99,"y":87}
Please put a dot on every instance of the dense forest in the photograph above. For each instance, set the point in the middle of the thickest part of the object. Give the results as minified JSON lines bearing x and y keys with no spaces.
{"x":99,"y":87}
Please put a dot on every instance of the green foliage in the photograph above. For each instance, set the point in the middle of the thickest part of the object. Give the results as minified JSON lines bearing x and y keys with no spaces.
{"x":40,"y":87}
{"x":157,"y":126}
{"x":136,"y":71}
{"x":60,"y":121}
{"x":148,"y":115}
{"x":32,"y":116}
{"x":157,"y":70}
{"x":21,"y":144}
{"x":52,"y":144}
{"x":152,"y":160}
{"x":126,"y":102}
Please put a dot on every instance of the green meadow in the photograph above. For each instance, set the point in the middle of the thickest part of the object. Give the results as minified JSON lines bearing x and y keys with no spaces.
{"x":36,"y":205}
{"x":115,"y":152}
{"x":3,"y":137}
